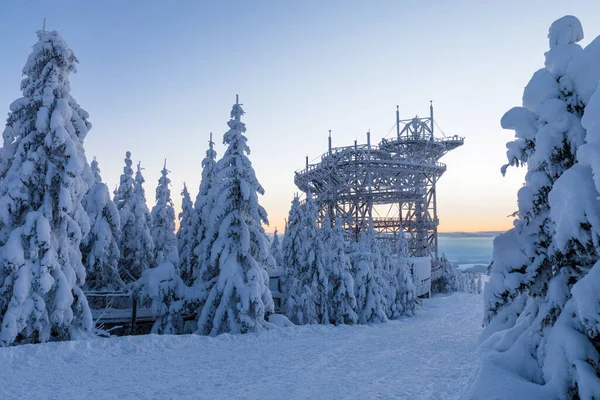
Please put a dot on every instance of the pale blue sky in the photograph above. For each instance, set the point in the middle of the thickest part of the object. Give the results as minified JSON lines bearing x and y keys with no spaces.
{"x":157,"y":77}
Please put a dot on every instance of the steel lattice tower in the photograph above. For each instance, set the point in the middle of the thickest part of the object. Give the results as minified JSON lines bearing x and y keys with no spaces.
{"x":401,"y":173}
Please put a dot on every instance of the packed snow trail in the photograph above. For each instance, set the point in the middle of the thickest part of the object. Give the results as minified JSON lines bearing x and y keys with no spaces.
{"x":430,"y":356}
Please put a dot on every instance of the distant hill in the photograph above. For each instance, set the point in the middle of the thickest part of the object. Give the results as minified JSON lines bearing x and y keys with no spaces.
{"x":458,"y":235}
{"x":476,"y":269}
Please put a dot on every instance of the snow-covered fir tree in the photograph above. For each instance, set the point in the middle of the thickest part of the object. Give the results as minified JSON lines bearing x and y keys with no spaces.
{"x":306,"y":285}
{"x":234,"y":279}
{"x":137,"y":247}
{"x":541,"y":300}
{"x":203,"y":206}
{"x":186,"y":235}
{"x":100,"y":247}
{"x":42,"y":221}
{"x":163,"y":222}
{"x":369,"y":299}
{"x":341,"y":300}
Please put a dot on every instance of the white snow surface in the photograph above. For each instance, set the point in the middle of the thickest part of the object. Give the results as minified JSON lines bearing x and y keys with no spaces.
{"x":428,"y":356}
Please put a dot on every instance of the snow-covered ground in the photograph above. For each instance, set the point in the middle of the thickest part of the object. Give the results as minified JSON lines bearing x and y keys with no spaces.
{"x":430,"y":356}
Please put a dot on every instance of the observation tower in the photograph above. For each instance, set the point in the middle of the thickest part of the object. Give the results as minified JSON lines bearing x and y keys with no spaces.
{"x":391,"y":185}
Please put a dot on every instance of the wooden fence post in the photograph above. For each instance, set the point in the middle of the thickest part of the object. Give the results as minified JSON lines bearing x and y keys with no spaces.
{"x":133,"y":313}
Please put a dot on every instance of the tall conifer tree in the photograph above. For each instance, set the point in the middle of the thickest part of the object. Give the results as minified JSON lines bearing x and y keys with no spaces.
{"x":186,"y":235}
{"x":305,"y":282}
{"x":203,"y":205}
{"x":163,"y":222}
{"x":100,"y":248}
{"x":342,"y":303}
{"x":42,"y":221}
{"x":137,"y":247}
{"x":541,"y":301}
{"x":234,"y":277}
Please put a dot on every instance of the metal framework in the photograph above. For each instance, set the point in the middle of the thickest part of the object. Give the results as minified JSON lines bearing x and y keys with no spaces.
{"x":356,"y":182}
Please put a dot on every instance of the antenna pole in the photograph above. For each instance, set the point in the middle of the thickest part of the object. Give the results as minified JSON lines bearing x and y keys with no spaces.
{"x":44,"y":25}
{"x":398,"y":121}
{"x":431,"y":115}
{"x":369,"y":178}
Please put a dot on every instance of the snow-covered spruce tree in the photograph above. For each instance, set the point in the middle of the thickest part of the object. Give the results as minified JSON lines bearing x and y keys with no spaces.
{"x":289,"y":245}
{"x":402,"y":299}
{"x":137,"y":247}
{"x":389,"y":273}
{"x":306,"y":281}
{"x":42,"y":220}
{"x":472,"y":282}
{"x":548,"y":131}
{"x":273,"y":267}
{"x":369,"y":301}
{"x":167,"y":292}
{"x":276,"y":250}
{"x":124,"y":191}
{"x":236,"y":283}
{"x":186,"y":235}
{"x":10,"y":139}
{"x":449,"y":280}
{"x":452,"y":279}
{"x":572,"y":364}
{"x":95,"y":169}
{"x":292,"y":260}
{"x":313,"y":274}
{"x":382,"y":270}
{"x":100,"y":247}
{"x":341,"y":300}
{"x":163,"y":222}
{"x":200,"y":245}
{"x":552,"y":299}
{"x":439,"y":285}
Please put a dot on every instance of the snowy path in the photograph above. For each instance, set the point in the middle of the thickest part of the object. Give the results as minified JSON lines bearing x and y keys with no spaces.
{"x":427,"y":357}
